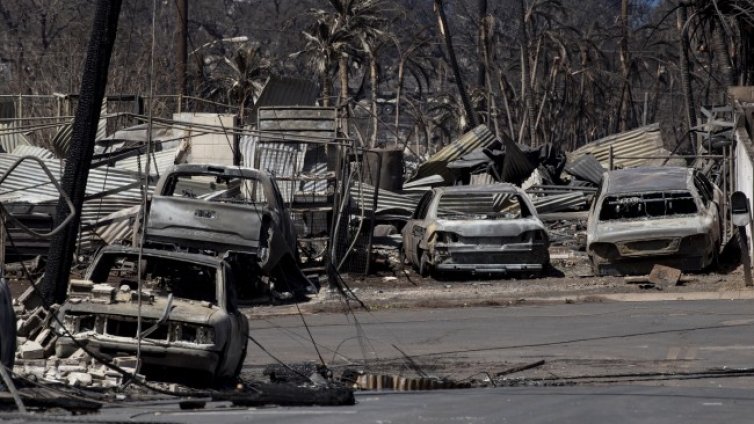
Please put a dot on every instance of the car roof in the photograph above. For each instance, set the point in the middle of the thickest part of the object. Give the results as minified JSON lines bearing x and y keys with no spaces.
{"x":500,"y":187}
{"x":660,"y":178}
{"x":212,"y":261}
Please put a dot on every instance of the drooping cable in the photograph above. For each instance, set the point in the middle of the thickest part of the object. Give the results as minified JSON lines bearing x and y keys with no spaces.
{"x":143,"y":211}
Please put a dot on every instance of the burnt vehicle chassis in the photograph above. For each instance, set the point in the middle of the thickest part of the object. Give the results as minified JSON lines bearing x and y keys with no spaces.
{"x":194,"y":325}
{"x":441,"y":245}
{"x":247,"y":220}
{"x":654,"y":216}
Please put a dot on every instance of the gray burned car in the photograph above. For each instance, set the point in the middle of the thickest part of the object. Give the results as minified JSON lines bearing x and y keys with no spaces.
{"x":217,"y":209}
{"x":190,"y":320}
{"x":646,"y":216}
{"x":480,"y":229}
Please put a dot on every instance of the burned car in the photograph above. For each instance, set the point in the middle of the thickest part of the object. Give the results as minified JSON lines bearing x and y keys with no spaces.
{"x":646,"y":216}
{"x":216,"y":209}
{"x":190,"y":320}
{"x":481,"y":229}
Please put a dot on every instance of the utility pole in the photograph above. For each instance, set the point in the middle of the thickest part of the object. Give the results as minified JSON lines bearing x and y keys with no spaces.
{"x":79,"y":158}
{"x":181,"y":50}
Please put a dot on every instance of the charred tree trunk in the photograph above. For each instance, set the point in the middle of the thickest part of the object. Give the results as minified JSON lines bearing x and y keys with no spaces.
{"x":343,"y":98}
{"x":325,"y":86}
{"x":79,"y":157}
{"x":445,"y":31}
{"x":373,"y":83}
{"x":720,"y":47}
{"x":685,"y":69}
{"x":625,"y":65}
{"x":527,"y":80}
{"x":482,"y":63}
{"x":181,"y":51}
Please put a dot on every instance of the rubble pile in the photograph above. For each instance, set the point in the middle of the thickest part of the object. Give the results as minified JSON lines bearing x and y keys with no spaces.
{"x":41,"y":358}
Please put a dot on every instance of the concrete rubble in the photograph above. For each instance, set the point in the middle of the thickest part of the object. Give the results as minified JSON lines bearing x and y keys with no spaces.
{"x":37,"y":359}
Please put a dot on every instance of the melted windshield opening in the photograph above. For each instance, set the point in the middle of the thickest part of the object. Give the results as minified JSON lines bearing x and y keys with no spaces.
{"x":217,"y":188}
{"x":481,"y":206}
{"x":161,"y":276}
{"x":648,"y":205}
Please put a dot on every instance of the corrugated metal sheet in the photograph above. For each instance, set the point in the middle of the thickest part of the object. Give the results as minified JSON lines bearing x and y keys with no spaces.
{"x":28,"y":185}
{"x":10,"y":138}
{"x":560,"y":202}
{"x":479,"y":137}
{"x":62,"y":140}
{"x":299,"y":166}
{"x":482,"y":179}
{"x":641,"y":142}
{"x":386,"y":200}
{"x":39,"y":152}
{"x":587,"y":168}
{"x":161,"y":162}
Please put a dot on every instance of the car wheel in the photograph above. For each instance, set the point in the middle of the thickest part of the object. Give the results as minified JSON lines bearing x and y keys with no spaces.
{"x":241,"y":361}
{"x":425,"y":268}
{"x":714,"y":263}
{"x":595,"y":267}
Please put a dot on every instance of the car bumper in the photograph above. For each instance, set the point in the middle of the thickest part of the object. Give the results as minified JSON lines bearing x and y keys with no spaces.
{"x":496,"y":268}
{"x":642,"y":266}
{"x":487,"y":259}
{"x":183,"y":357}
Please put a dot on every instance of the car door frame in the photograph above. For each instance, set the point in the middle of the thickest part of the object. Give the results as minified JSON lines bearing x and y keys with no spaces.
{"x":411,"y":238}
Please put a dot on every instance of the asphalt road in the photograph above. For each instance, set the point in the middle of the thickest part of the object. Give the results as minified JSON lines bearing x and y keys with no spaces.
{"x":573,"y":339}
{"x":615,"y":404}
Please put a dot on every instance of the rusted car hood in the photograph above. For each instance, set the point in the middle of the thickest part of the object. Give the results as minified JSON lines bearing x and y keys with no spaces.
{"x":182,"y":311}
{"x":614,"y":231}
{"x":488,"y":227}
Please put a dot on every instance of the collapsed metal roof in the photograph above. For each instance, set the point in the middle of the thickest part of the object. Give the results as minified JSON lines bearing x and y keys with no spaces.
{"x":437,"y":164}
{"x":630,"y":149}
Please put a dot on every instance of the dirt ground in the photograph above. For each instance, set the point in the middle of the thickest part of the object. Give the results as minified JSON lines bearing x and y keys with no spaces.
{"x":570,"y":280}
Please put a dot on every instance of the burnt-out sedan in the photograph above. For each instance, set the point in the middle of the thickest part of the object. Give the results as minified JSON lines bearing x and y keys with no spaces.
{"x":189,"y":317}
{"x":479,"y":229}
{"x":647,"y":216}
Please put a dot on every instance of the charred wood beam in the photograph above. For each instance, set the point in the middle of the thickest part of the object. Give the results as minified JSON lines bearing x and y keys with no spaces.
{"x":79,"y":157}
{"x":289,"y":395}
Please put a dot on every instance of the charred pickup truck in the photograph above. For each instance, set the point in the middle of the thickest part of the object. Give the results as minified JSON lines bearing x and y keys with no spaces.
{"x":480,"y":229}
{"x":189,"y":316}
{"x":220,"y":209}
{"x":646,"y":216}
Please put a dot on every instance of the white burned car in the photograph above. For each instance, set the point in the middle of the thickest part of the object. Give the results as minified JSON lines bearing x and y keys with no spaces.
{"x":661,"y":215}
{"x":481,"y":229}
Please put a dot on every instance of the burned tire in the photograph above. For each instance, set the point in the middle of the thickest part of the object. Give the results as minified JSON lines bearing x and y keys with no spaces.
{"x":595,"y":267}
{"x":241,"y":361}
{"x":425,"y":267}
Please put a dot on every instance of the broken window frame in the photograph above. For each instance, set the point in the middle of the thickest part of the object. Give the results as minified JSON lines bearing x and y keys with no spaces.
{"x":686,"y":195}
{"x":523,"y":208}
{"x":268,"y":198}
{"x":108,"y":260}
